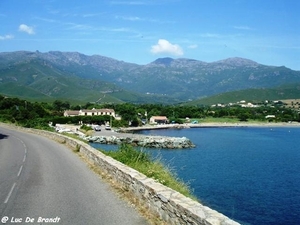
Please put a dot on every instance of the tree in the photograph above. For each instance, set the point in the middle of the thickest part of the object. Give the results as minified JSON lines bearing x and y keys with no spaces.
{"x":127,"y":112}
{"x":60,"y":105}
{"x":244,"y":116}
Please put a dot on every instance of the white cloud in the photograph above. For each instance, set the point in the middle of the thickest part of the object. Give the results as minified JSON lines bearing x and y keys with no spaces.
{"x":130,"y":18}
{"x":6,"y":37}
{"x":242,"y":28}
{"x":193,"y":46}
{"x":26,"y":29}
{"x":164,"y":46}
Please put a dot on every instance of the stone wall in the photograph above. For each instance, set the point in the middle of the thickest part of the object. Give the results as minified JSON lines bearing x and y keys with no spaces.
{"x":170,"y":205}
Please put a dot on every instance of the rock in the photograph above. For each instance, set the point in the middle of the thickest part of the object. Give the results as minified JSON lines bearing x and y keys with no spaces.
{"x":144,"y":141}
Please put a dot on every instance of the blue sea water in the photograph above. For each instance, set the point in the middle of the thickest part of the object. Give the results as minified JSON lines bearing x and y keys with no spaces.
{"x":251,"y":175}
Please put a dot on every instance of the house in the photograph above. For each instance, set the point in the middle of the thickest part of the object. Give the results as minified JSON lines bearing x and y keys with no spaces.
{"x":158,"y":120}
{"x":68,"y":113}
{"x":90,"y":112}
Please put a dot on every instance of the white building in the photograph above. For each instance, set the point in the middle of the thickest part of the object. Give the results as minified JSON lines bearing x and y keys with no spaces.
{"x":91,"y":112}
{"x":158,"y":120}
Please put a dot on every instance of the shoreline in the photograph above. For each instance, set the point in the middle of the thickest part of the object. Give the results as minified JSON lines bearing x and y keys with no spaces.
{"x":210,"y":125}
{"x":129,"y":131}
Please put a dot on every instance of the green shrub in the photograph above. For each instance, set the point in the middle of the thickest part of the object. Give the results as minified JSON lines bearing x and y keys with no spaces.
{"x":85,"y":127}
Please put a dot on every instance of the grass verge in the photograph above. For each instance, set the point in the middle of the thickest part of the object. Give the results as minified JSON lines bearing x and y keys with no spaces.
{"x":142,"y":162}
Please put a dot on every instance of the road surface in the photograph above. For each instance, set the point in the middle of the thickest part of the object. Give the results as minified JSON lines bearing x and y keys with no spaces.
{"x":42,"y":182}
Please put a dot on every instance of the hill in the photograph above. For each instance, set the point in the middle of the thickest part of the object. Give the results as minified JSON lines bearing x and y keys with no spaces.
{"x":75,"y":76}
{"x":287,"y":92}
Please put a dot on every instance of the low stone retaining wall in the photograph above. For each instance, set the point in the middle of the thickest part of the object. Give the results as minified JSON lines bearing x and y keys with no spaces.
{"x":144,"y":141}
{"x":170,"y":205}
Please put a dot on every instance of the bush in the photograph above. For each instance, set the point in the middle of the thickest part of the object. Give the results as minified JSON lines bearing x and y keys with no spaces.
{"x":85,"y":127}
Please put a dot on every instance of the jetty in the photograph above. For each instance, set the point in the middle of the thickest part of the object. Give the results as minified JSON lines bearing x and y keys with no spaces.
{"x":144,"y":141}
{"x":126,"y":136}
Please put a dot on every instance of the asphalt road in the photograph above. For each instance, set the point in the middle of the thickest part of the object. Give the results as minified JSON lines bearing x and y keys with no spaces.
{"x":41,"y":180}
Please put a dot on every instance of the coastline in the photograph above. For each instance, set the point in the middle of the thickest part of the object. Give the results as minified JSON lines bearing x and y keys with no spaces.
{"x":128,"y":132}
{"x":209,"y":125}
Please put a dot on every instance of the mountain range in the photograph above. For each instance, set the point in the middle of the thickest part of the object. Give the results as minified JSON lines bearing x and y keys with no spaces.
{"x":78,"y":77}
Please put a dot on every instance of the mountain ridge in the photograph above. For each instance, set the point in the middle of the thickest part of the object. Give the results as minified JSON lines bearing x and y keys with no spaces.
{"x":176,"y":80}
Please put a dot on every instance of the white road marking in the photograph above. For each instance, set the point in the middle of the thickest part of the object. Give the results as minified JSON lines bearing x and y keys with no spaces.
{"x":10,"y":192}
{"x":19,"y":173}
{"x":25,"y":148}
{"x":20,"y":170}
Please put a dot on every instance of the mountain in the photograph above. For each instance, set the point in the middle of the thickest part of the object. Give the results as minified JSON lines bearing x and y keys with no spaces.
{"x":56,"y":75}
{"x":72,"y":75}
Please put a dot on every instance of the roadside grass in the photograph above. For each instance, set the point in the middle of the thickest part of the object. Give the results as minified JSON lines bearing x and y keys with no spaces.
{"x":85,"y":128}
{"x":142,"y":162}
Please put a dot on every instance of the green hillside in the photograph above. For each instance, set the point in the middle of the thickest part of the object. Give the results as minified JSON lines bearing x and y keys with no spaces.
{"x":291,"y":91}
{"x":39,"y":81}
{"x":77,"y":77}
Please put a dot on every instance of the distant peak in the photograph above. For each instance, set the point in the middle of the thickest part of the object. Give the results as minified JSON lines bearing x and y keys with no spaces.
{"x":163,"y":61}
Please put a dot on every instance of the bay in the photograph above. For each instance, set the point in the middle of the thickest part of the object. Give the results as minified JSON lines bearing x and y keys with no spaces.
{"x":250,"y":174}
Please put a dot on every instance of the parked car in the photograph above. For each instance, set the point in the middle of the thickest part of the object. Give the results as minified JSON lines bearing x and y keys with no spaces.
{"x":97,"y":128}
{"x":107,"y":127}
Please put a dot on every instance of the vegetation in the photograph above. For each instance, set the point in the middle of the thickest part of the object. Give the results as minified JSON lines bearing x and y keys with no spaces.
{"x":142,"y":162}
{"x":38,"y":115}
{"x":85,"y":127}
{"x":255,"y":94}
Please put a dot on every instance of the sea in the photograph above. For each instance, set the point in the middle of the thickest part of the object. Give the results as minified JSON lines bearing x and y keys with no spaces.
{"x":250,"y":174}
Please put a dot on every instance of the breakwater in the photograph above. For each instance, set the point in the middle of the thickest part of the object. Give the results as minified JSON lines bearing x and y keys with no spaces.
{"x":144,"y":141}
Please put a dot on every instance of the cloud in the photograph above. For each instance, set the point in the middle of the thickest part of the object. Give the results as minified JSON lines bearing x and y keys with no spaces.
{"x":6,"y":37}
{"x":26,"y":29}
{"x":130,"y":18}
{"x":193,"y":46}
{"x":164,"y":46}
{"x":242,"y":28}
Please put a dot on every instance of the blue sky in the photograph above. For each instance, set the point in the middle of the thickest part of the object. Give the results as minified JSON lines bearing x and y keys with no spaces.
{"x":140,"y":31}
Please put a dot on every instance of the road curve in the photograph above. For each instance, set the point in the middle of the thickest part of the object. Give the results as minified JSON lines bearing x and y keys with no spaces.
{"x":42,"y":181}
